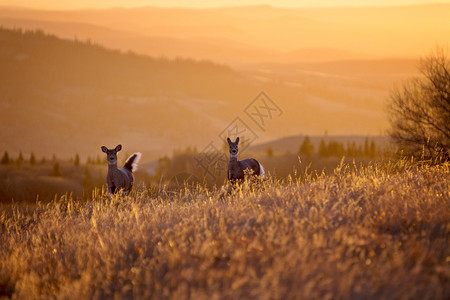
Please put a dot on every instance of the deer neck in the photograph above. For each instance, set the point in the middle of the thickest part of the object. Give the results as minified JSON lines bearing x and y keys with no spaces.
{"x":112,"y":166}
{"x":233,"y":158}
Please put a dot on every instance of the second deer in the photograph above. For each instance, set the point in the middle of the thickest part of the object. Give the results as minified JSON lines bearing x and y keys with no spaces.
{"x":120,"y":179}
{"x":237,"y":169}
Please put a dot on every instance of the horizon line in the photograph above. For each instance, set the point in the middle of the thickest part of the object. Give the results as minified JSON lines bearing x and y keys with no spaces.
{"x":24,"y":7}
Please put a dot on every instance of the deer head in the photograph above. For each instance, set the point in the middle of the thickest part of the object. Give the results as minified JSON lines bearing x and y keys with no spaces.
{"x":111,"y":154}
{"x":233,"y":146}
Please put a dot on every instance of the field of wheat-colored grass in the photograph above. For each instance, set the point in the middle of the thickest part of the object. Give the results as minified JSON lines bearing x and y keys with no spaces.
{"x":376,"y":232}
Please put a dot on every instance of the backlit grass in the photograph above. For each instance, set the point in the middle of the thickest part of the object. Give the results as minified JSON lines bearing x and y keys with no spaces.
{"x":377,"y":232}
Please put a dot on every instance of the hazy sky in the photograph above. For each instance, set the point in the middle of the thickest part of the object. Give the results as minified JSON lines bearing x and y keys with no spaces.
{"x":71,"y":4}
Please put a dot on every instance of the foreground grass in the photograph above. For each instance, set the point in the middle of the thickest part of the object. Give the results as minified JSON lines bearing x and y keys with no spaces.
{"x":369,"y":233}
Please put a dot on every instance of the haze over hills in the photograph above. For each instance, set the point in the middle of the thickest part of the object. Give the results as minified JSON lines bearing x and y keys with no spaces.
{"x":329,"y":69}
{"x":255,"y":33}
{"x":59,"y":95}
{"x":62,"y":96}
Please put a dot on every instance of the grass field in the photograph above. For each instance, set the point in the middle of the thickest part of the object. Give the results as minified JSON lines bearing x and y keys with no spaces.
{"x":376,"y":232}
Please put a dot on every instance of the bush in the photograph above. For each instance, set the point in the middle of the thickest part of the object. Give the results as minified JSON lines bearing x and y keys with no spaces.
{"x":419,"y":111}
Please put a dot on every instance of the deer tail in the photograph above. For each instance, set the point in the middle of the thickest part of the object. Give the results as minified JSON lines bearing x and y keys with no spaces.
{"x":132,"y":162}
{"x":261,"y":170}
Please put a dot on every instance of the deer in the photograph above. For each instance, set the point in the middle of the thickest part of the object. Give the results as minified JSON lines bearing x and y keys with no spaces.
{"x":120,"y":179}
{"x":237,"y":169}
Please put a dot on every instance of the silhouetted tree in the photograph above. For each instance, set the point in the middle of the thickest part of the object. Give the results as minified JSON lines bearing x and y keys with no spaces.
{"x":32,"y":159}
{"x":307,"y":148}
{"x":76,"y":161}
{"x":323,"y":150}
{"x":20,"y":159}
{"x":336,"y":149}
{"x":56,"y":170}
{"x":352,"y":150}
{"x":5,"y":159}
{"x":372,"y":149}
{"x":366,"y":147}
{"x":419,"y":111}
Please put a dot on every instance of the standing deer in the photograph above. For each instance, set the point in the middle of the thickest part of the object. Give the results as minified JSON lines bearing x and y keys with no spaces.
{"x":122,"y":178}
{"x":237,"y":168}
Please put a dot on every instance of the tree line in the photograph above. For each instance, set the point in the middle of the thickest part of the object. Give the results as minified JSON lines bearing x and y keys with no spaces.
{"x":76,"y":160}
{"x":8,"y":160}
{"x":338,"y":149}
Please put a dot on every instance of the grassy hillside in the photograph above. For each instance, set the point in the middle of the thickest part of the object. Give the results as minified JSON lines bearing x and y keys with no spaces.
{"x":380,"y":232}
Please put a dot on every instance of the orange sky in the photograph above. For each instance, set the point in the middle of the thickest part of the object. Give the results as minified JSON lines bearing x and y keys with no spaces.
{"x":74,"y":4}
{"x":329,"y":69}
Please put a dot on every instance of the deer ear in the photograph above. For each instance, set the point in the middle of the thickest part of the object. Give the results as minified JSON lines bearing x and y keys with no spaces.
{"x":104,"y":149}
{"x":229,"y":141}
{"x":118,"y":148}
{"x":236,"y":141}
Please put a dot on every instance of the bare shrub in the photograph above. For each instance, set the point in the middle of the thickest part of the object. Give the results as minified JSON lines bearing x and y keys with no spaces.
{"x":419,"y":111}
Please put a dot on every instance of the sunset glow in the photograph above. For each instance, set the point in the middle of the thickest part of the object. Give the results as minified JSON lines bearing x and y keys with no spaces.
{"x":79,"y":4}
{"x":330,"y":67}
{"x":224,"y":149}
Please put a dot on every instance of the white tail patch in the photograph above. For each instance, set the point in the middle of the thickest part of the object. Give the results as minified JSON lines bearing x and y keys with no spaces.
{"x":134,"y":161}
{"x":261,"y":170}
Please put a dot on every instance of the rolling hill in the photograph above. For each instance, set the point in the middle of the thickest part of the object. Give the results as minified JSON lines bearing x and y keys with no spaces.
{"x":66,"y":96}
{"x":61,"y":96}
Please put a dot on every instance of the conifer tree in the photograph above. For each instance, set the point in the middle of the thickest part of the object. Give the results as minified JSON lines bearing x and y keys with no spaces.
{"x":32,"y":159}
{"x":5,"y":159}
{"x":20,"y":159}
{"x":323,"y":151}
{"x":56,"y":170}
{"x":307,"y":148}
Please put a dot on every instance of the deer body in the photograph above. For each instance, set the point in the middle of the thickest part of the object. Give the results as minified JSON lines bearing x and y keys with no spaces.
{"x":120,"y":179}
{"x":238,"y":168}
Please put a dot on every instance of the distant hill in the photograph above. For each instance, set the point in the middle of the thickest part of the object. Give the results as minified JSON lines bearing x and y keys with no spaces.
{"x":64,"y":95}
{"x":224,"y":50}
{"x":250,"y":33}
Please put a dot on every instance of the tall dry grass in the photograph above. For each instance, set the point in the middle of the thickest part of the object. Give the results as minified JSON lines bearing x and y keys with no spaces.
{"x":377,"y":232}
